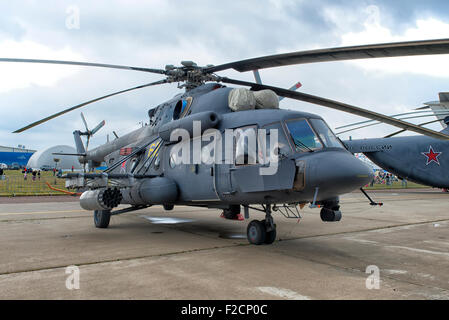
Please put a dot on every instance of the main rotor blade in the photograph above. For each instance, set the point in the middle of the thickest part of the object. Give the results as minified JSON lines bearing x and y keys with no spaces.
{"x":400,"y":131}
{"x":86,"y":103}
{"x":85,"y":64}
{"x":373,"y":122}
{"x":427,"y":113}
{"x":384,"y":50}
{"x":342,"y":107}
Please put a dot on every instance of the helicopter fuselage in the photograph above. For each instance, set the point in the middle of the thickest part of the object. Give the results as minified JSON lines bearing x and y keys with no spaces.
{"x":312,"y":165}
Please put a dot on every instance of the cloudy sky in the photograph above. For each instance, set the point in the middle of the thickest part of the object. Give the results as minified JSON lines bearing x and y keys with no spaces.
{"x":159,"y":32}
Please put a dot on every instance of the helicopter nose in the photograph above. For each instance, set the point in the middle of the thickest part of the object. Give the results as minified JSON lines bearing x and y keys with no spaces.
{"x":337,"y":172}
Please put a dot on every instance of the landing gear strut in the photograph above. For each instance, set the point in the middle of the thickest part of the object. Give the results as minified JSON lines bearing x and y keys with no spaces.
{"x":263,"y":231}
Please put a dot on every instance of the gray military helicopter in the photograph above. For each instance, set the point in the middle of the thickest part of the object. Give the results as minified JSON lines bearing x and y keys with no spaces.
{"x":420,"y":159}
{"x":312,"y":165}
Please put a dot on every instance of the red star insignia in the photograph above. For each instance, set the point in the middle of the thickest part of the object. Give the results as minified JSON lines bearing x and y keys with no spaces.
{"x":432,"y":156}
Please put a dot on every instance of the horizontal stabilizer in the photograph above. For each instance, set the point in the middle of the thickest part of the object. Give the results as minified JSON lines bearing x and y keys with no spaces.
{"x":69,"y":154}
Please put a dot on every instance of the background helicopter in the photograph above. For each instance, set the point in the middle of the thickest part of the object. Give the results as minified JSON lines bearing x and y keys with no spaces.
{"x":313,"y":164}
{"x":416,"y":158}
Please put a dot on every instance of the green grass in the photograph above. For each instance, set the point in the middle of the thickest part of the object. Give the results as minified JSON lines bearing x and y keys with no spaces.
{"x":15,"y":185}
{"x":396,"y":185}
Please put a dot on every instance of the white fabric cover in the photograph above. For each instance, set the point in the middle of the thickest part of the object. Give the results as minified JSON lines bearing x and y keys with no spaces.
{"x":266,"y":99}
{"x":241,"y":99}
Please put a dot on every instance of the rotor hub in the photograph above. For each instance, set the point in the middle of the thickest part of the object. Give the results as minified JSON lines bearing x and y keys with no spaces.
{"x":189,"y":75}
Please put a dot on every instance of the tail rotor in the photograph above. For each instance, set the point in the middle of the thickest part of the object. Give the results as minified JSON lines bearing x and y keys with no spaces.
{"x":88,"y":133}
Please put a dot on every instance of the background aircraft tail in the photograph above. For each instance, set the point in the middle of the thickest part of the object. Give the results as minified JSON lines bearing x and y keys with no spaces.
{"x":442,"y":105}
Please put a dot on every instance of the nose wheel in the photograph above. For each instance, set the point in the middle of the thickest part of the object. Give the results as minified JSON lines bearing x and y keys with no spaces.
{"x":262,"y":231}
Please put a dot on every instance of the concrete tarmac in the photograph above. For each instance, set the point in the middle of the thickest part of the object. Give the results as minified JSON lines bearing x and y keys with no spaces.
{"x":191,"y":253}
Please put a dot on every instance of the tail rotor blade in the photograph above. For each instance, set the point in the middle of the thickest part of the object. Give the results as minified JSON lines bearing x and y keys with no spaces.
{"x":98,"y":127}
{"x":85,"y":123}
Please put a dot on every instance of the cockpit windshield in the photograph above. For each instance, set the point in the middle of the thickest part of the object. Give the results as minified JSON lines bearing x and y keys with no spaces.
{"x":303,"y":136}
{"x":307,"y":139}
{"x":326,"y":135}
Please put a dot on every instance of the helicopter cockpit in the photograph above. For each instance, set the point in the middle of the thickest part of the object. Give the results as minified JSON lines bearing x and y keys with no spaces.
{"x":311,"y":134}
{"x":295,"y":135}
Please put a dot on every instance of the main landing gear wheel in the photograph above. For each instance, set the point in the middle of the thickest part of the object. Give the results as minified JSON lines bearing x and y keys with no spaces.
{"x":256,"y":232}
{"x":264,"y":231}
{"x":102,"y":218}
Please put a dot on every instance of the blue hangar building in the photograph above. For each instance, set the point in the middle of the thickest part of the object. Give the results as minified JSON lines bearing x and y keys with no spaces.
{"x":10,"y":155}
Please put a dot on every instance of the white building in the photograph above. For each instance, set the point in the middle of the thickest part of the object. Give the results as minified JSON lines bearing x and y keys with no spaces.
{"x":46,"y":159}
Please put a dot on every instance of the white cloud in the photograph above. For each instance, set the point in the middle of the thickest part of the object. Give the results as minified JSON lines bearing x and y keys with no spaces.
{"x":21,"y":75}
{"x":375,"y":32}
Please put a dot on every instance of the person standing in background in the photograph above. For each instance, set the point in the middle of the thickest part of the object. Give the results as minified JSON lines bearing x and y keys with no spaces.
{"x":404,"y":183}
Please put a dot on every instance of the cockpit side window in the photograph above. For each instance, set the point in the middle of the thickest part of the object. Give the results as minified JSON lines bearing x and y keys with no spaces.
{"x":258,"y":146}
{"x":245,"y":145}
{"x":303,"y":136}
{"x":327,"y":136}
{"x":281,"y":143}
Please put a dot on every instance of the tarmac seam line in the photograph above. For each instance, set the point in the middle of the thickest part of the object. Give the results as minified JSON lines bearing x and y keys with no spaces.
{"x":365,"y":230}
{"x":119,"y":259}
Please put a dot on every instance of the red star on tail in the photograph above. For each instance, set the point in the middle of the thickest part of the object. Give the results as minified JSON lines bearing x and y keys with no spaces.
{"x":432,"y":156}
